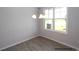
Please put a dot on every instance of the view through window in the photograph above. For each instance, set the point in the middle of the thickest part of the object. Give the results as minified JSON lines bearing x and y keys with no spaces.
{"x":55,"y":18}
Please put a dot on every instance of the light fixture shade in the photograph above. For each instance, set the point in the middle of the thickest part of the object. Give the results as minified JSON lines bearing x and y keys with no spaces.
{"x":34,"y":16}
{"x":41,"y":16}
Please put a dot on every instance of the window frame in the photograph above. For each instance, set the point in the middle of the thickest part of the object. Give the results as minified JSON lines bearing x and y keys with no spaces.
{"x":53,"y":22}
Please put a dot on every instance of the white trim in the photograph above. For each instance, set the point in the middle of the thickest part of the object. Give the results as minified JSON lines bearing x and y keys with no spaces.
{"x":55,"y":31}
{"x":29,"y":38}
{"x":62,"y":42}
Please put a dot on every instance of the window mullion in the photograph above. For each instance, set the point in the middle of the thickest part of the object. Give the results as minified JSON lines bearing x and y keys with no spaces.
{"x":53,"y":18}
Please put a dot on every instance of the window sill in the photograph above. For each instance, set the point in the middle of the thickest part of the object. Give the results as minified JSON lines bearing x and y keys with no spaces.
{"x":56,"y":31}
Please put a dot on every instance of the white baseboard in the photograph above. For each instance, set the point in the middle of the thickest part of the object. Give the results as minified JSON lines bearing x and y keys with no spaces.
{"x":61,"y":42}
{"x":30,"y":37}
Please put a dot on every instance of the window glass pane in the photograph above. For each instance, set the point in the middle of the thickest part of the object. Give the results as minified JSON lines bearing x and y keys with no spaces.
{"x":51,"y":13}
{"x":46,"y":13}
{"x":60,"y":25}
{"x":48,"y":24}
{"x":60,"y":19}
{"x":48,"y":18}
{"x":60,"y":12}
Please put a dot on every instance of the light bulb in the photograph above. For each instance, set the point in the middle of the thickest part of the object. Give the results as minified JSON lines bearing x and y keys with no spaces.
{"x":41,"y":16}
{"x":34,"y":16}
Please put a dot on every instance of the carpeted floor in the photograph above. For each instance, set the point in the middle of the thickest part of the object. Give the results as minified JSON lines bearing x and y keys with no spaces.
{"x":39,"y":44}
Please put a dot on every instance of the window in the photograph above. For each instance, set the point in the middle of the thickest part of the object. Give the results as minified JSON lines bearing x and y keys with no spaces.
{"x":55,"y":19}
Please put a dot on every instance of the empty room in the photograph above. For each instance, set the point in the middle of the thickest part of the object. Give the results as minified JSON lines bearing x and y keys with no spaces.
{"x":39,"y":28}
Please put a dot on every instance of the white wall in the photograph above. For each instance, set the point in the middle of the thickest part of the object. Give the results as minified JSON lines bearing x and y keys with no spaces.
{"x":16,"y":25}
{"x":72,"y":37}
